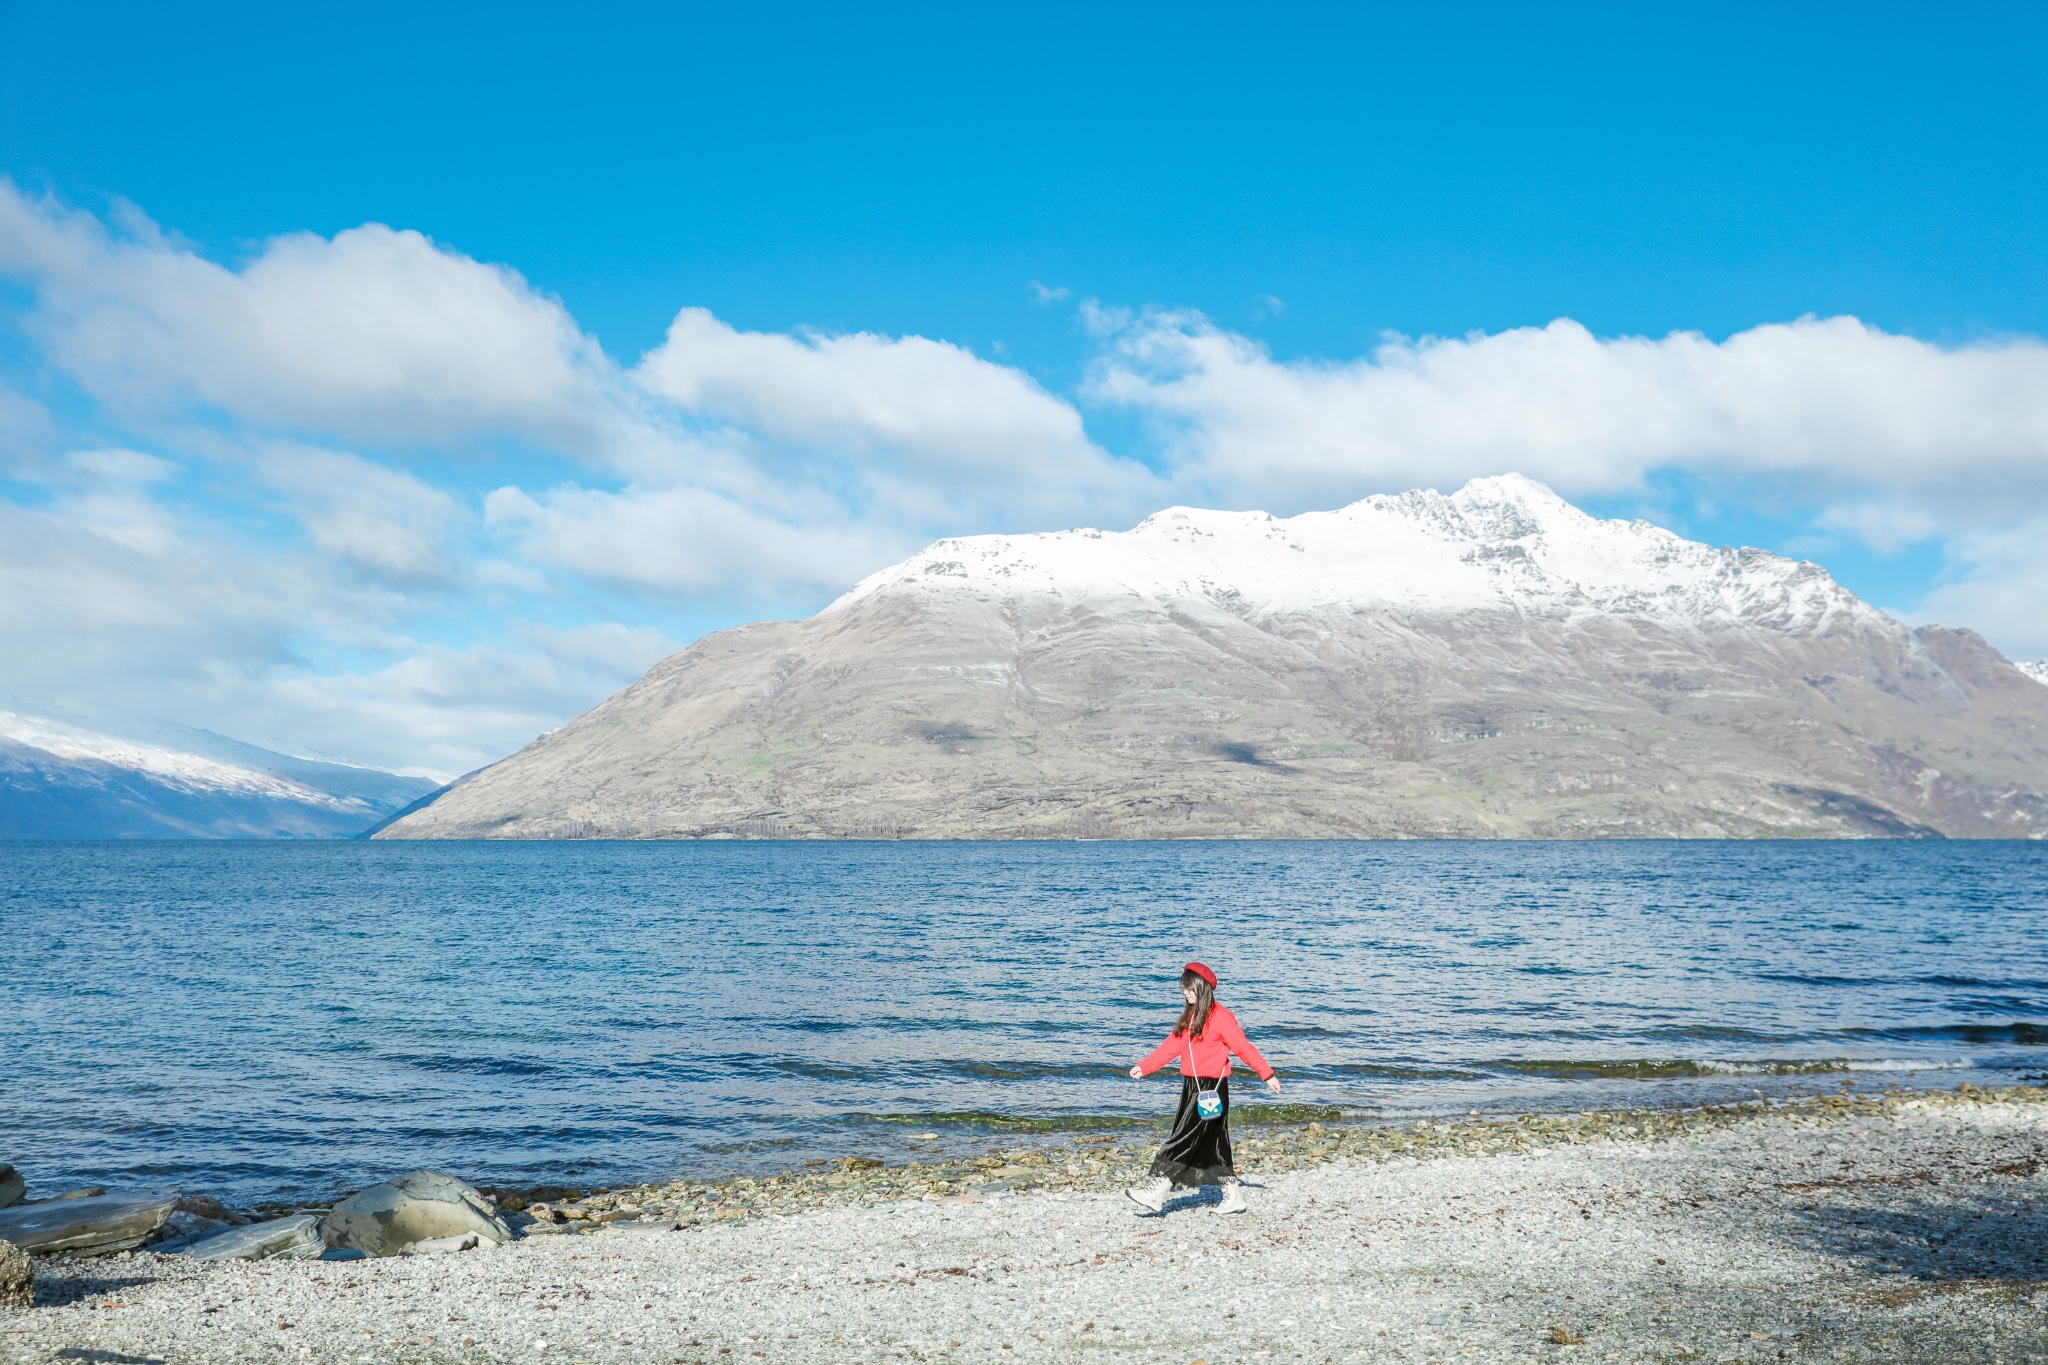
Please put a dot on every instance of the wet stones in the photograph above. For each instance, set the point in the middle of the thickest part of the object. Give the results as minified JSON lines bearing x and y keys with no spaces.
{"x":206,"y":1206}
{"x":12,"y":1186}
{"x":385,"y":1219}
{"x":182,"y":1229}
{"x":564,"y":1213}
{"x":518,"y":1200}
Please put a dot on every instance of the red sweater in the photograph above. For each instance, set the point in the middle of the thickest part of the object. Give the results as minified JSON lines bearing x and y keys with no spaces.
{"x":1220,"y":1037}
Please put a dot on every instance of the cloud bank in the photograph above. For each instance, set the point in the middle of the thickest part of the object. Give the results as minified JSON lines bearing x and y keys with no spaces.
{"x":366,"y":495}
{"x":1857,"y":411}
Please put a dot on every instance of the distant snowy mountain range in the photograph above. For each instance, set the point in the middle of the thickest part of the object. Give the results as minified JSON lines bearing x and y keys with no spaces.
{"x":1491,"y":662}
{"x":124,"y":777}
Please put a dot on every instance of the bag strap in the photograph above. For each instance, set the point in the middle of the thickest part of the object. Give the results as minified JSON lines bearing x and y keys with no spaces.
{"x":1191,"y":1067}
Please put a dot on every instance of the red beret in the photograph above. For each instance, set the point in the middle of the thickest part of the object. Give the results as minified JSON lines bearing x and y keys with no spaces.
{"x":1199,"y":970}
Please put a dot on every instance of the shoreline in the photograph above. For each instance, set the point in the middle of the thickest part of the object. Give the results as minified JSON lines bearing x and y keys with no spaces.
{"x":1282,"y":1131}
{"x":1095,"y":1161}
{"x":1287,"y":1131}
{"x":1906,"y":1226}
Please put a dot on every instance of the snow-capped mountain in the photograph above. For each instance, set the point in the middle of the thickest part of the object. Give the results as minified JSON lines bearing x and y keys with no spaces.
{"x":67,"y":777}
{"x":2037,"y":669}
{"x":1498,"y":543}
{"x":1492,"y":662}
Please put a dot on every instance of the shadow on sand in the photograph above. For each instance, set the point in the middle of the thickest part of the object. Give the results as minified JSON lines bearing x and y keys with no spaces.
{"x":1923,"y":1229}
{"x":56,"y":1291}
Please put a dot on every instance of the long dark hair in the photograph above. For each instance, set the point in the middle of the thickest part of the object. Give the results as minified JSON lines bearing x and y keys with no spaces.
{"x":1194,"y":1018}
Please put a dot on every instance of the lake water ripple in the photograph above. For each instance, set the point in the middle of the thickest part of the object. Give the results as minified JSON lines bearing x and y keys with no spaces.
{"x":277,"y":1018}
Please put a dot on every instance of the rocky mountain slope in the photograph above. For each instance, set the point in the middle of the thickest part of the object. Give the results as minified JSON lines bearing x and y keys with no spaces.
{"x":1491,"y":663}
{"x":136,"y":778}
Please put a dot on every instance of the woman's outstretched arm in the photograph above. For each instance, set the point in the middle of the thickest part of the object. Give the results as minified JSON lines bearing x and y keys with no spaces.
{"x":1161,"y":1055}
{"x":1234,"y":1038}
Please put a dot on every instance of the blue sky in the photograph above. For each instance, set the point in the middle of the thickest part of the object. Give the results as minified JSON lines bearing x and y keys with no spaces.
{"x":340,"y":407}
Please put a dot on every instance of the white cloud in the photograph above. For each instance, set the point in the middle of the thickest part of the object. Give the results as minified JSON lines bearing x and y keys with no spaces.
{"x":375,"y":334}
{"x":128,"y":467}
{"x":608,"y":646}
{"x":690,"y":542}
{"x":208,"y":629}
{"x":442,"y":711}
{"x":2003,"y":582}
{"x":100,"y":610}
{"x":27,"y":431}
{"x":109,"y":493}
{"x":379,"y":335}
{"x":792,"y":465}
{"x":1830,"y":399}
{"x":920,"y":409}
{"x":384,"y":522}
{"x":383,"y":337}
{"x":1885,"y":526}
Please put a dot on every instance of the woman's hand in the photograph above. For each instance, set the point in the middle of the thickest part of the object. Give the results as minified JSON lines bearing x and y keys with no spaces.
{"x":1273,"y":1084}
{"x":1137,"y":1074}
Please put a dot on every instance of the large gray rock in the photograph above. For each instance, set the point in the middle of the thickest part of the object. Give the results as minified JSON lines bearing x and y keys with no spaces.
{"x":385,"y":1219}
{"x":17,"y":1278}
{"x":91,"y":1227}
{"x":12,"y":1186}
{"x":295,"y":1238}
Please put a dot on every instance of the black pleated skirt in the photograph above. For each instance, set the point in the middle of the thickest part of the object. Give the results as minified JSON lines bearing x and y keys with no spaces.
{"x":1197,"y":1151}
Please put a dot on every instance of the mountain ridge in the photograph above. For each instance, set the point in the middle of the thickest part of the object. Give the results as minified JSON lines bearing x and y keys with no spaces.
{"x":1497,"y":541}
{"x":1489,"y":663}
{"x":142,"y":777}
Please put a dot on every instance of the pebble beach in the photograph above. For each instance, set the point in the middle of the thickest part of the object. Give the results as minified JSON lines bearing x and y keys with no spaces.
{"x":1898,"y":1227}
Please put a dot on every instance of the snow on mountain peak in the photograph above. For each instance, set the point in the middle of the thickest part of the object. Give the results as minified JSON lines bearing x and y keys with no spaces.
{"x":1505,"y":542}
{"x":177,"y":768}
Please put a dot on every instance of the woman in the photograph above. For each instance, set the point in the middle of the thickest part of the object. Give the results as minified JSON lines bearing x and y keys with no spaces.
{"x":1197,"y":1150}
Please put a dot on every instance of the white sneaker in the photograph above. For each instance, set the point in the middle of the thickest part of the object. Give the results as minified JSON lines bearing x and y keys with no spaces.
{"x":1151,"y":1196}
{"x":1233,"y":1198}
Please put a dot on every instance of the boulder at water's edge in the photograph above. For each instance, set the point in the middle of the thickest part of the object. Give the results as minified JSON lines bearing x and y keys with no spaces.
{"x":384,"y":1219}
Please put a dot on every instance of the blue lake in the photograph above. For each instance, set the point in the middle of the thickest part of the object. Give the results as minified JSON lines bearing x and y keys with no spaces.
{"x":259,"y":1020}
